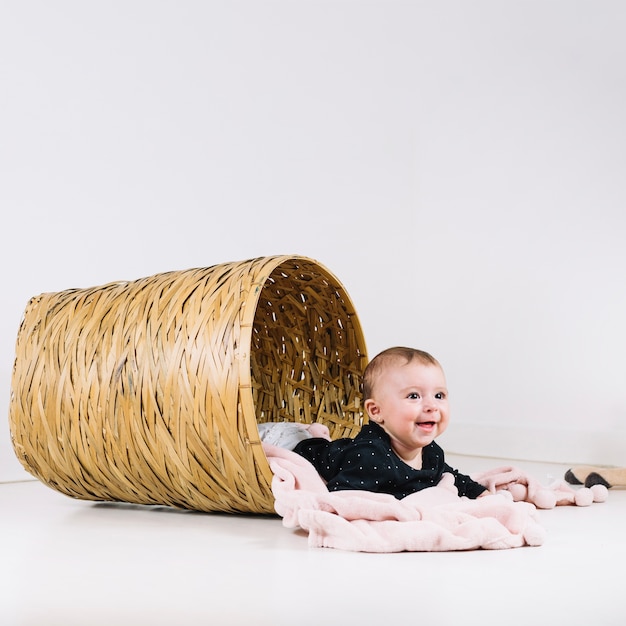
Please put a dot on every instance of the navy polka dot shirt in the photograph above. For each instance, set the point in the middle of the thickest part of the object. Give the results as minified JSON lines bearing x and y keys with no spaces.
{"x":368,"y":462}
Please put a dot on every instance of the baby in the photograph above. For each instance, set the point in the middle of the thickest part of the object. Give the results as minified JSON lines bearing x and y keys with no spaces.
{"x":406,"y":399}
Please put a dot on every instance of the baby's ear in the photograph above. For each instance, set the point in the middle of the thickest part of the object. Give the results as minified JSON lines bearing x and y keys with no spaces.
{"x":372,"y":408}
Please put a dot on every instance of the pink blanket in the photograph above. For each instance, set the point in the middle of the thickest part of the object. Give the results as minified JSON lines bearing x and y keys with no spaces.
{"x":434,"y":519}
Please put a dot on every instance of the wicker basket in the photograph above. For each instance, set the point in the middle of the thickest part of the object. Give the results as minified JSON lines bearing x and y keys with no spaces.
{"x":151,"y":391}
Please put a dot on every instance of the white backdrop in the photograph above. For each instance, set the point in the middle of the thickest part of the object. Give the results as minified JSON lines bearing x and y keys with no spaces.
{"x":459,"y":166}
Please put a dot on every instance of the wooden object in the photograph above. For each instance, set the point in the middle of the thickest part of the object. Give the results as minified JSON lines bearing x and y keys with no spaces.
{"x":150,"y":391}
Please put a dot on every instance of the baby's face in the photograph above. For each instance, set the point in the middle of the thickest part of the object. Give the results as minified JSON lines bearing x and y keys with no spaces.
{"x":410,"y":401}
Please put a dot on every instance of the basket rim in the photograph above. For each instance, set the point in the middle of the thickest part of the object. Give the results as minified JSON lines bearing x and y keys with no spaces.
{"x":247,"y":316}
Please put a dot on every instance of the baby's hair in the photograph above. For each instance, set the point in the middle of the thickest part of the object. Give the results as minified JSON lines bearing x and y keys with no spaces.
{"x":389,"y":356}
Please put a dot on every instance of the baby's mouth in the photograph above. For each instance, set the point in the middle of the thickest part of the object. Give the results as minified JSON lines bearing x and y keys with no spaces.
{"x":426,"y":425}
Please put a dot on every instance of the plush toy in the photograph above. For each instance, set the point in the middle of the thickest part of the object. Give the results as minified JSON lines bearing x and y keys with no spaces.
{"x":589,"y":475}
{"x":523,"y":487}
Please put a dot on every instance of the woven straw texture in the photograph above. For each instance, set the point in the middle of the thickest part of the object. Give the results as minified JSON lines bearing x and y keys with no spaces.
{"x":151,"y":391}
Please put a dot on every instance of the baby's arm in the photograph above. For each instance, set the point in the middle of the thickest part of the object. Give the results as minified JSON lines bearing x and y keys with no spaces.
{"x":465,"y":485}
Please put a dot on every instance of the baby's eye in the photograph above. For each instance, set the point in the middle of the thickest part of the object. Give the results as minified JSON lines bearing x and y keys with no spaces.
{"x":414,"y":396}
{"x":440,"y":396}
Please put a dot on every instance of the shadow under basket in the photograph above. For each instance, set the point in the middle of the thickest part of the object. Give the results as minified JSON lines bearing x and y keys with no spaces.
{"x":151,"y":391}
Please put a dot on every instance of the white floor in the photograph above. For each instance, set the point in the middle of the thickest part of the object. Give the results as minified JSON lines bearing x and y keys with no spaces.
{"x":66,"y":562}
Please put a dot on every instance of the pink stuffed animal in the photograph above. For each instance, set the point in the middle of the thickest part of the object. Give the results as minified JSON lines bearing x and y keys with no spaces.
{"x":523,"y":487}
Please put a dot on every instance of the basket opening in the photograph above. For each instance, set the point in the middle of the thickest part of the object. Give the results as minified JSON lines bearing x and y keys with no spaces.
{"x":307,"y":352}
